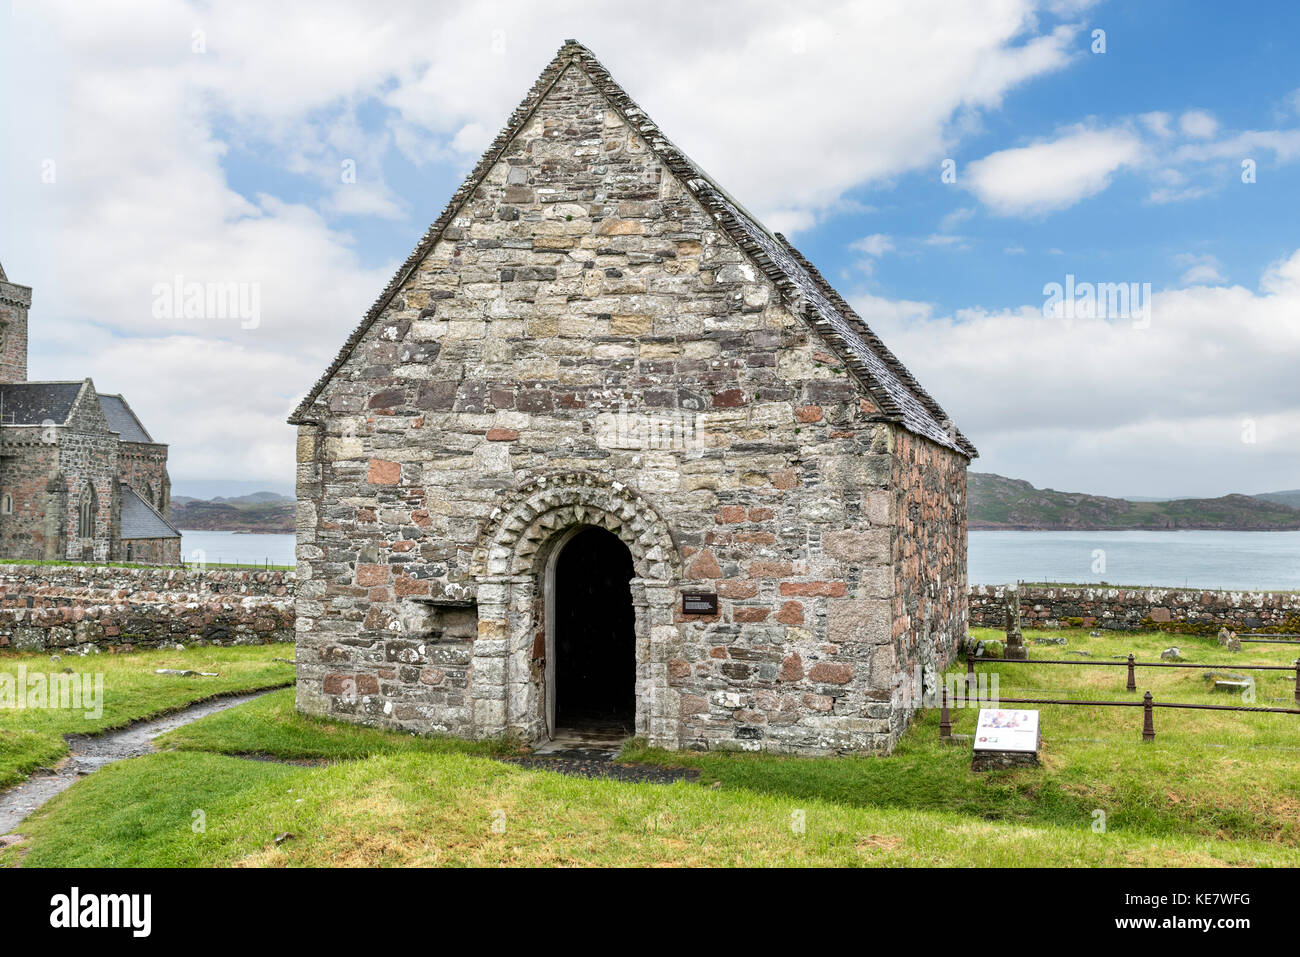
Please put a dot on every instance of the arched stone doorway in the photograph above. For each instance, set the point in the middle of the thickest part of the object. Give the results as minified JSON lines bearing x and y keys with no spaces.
{"x":590,"y":665}
{"x":511,"y":568}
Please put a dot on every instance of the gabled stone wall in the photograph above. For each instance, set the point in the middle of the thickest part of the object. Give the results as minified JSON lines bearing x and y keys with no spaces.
{"x":583,"y":315}
{"x":88,"y":459}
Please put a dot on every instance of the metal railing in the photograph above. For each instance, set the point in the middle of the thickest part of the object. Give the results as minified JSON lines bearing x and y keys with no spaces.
{"x":1148,"y":704}
{"x":1132,"y":665}
{"x":1270,"y":638}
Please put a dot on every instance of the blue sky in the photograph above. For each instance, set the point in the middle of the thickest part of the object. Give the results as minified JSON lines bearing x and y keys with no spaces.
{"x":1160,"y":56}
{"x":209,"y":140}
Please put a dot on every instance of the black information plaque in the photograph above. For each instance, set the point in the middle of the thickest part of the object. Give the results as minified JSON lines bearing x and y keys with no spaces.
{"x":700,"y":603}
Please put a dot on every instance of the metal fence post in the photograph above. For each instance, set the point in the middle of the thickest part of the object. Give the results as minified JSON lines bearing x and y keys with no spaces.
{"x":945,"y":719}
{"x":971,"y":680}
{"x":1132,"y":675}
{"x":1148,"y":723}
{"x":1297,"y":681}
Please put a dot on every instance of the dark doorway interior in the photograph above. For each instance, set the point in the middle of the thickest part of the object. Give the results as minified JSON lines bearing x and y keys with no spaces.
{"x":595,"y":634}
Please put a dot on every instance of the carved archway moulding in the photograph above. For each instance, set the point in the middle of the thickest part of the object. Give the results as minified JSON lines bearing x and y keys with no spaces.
{"x":528,"y":521}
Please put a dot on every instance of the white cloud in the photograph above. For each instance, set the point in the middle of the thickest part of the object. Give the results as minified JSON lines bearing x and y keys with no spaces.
{"x":1157,"y":122}
{"x":872,"y":248}
{"x":1172,"y":186}
{"x":956,"y":218}
{"x":1284,"y":145}
{"x":876,"y":244}
{"x":1109,"y":407}
{"x":1052,"y":174}
{"x":364,"y":199}
{"x":1183,"y":164}
{"x":946,"y":241}
{"x":1198,"y":124}
{"x":1200,"y":269}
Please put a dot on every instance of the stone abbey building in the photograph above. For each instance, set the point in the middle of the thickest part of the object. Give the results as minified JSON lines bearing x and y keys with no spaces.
{"x":80,"y":477}
{"x":608,"y":453}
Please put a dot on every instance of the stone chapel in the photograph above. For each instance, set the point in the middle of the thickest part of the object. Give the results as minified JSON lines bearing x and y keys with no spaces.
{"x":609,"y":456}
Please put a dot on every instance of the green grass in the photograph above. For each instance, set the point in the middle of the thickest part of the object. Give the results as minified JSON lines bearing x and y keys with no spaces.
{"x":1213,"y":789}
{"x":33,"y":737}
{"x":22,"y":752}
{"x":414,"y":808}
{"x":271,"y":727}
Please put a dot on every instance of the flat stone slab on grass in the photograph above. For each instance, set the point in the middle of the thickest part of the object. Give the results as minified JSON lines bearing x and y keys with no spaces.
{"x":1222,"y":685}
{"x":1003,"y":760}
{"x":588,"y":764}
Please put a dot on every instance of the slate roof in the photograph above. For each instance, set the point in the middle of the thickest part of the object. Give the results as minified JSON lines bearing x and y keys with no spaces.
{"x":122,"y":420}
{"x":34,"y":403}
{"x":894,"y":389}
{"x":142,"y":520}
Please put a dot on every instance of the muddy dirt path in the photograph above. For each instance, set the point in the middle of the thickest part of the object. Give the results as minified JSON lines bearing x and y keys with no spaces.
{"x":91,"y":752}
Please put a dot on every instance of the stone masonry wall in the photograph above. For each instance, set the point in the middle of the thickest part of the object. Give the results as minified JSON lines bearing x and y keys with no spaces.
{"x":928,"y":515}
{"x":150,"y":551}
{"x":144,"y":468}
{"x":88,"y":458}
{"x":27,"y":463}
{"x":15,"y":300}
{"x":584,"y":314}
{"x":84,"y":608}
{"x":1129,"y":608}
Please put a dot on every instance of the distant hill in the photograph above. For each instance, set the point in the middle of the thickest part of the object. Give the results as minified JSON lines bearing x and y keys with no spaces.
{"x":256,"y":498}
{"x":999,"y":502}
{"x":257,"y":512}
{"x":209,"y":490}
{"x":1291,"y":498}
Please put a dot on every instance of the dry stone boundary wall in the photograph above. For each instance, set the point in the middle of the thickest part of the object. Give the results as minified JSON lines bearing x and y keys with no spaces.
{"x":86,"y":608}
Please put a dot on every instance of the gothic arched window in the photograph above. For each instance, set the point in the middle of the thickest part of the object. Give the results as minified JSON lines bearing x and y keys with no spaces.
{"x":86,"y":513}
{"x":6,"y":504}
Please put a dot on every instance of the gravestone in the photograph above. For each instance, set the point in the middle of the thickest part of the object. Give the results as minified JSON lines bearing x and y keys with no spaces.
{"x":1015,"y":640}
